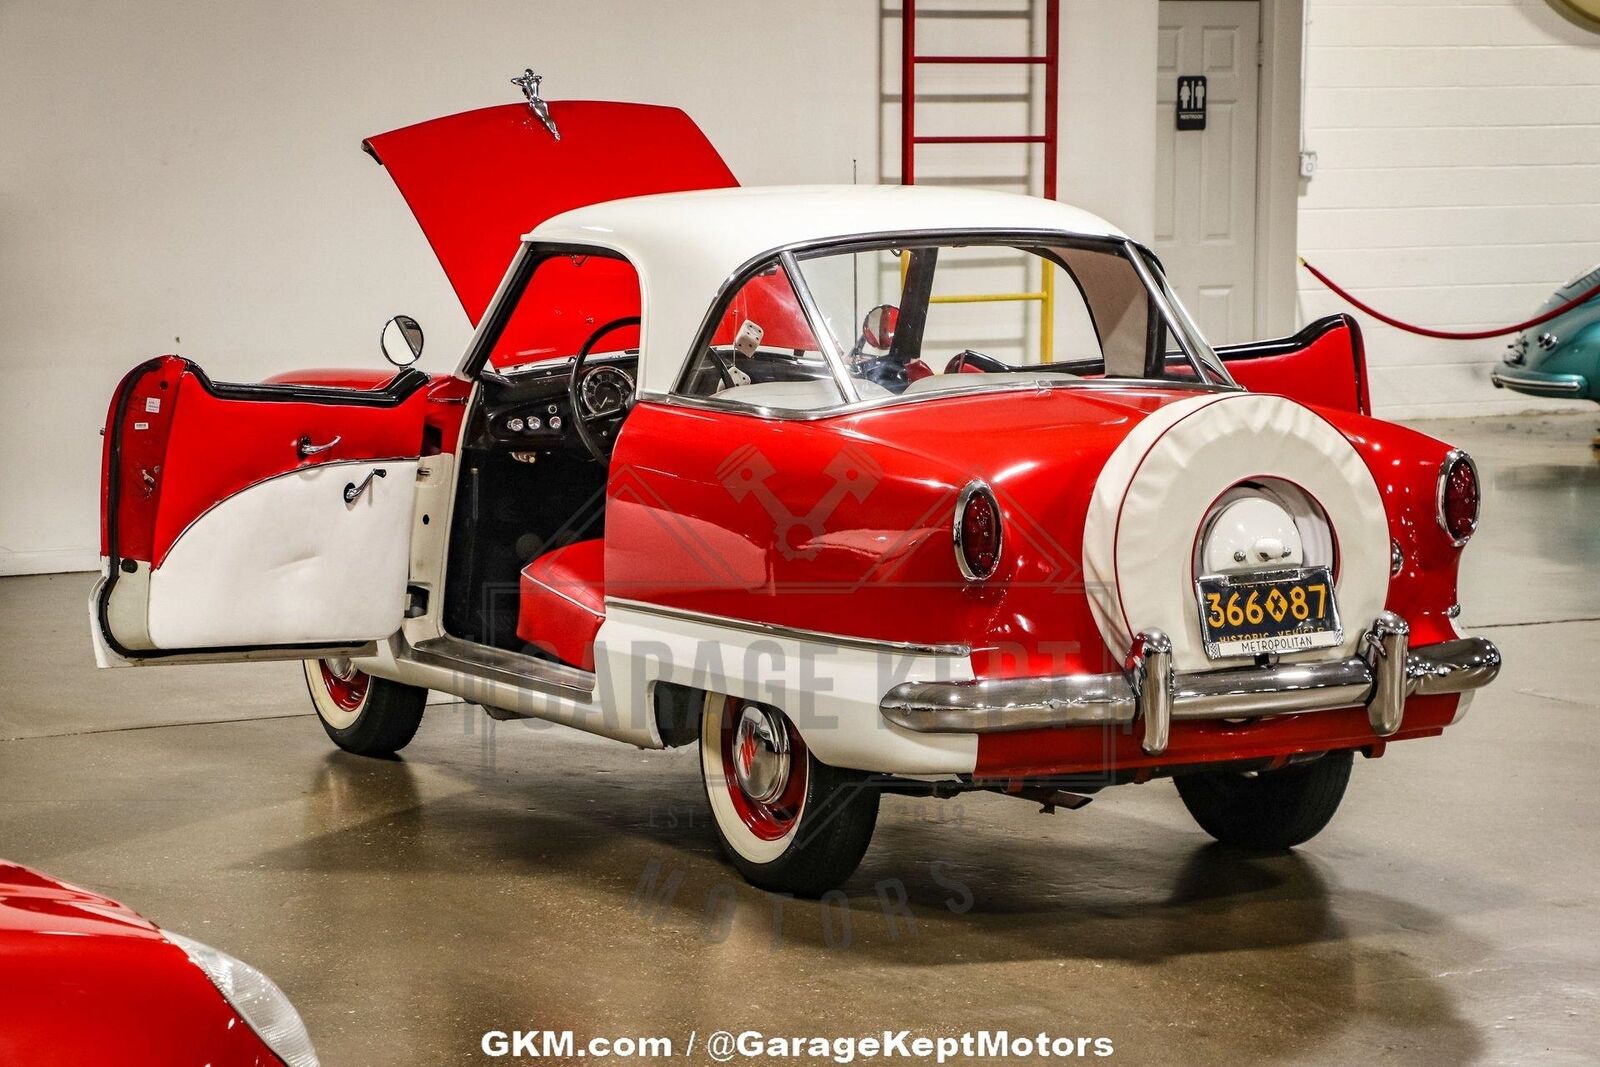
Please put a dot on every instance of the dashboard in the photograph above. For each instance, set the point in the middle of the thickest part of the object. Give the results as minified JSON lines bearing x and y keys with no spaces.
{"x":529,"y":409}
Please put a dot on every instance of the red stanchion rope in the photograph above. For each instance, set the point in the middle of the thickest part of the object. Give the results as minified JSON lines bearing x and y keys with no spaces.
{"x":1448,"y":335}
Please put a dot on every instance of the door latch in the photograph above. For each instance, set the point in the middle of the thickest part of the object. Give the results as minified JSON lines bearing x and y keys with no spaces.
{"x":305,"y":449}
{"x":352,"y":491}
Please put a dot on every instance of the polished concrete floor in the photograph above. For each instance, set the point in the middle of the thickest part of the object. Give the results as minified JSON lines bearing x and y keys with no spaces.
{"x":491,"y":878}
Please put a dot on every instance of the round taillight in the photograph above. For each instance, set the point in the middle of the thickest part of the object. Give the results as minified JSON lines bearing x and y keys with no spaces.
{"x":1458,"y":497}
{"x":977,"y":532}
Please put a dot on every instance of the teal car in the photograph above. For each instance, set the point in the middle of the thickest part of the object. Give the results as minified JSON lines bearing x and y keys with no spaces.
{"x":1562,"y":357}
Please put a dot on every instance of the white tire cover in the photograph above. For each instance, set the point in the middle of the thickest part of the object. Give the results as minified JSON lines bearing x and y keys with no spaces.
{"x":1153,"y":495}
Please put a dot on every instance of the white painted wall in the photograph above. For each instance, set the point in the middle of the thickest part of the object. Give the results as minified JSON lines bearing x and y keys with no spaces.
{"x":1459,"y":183}
{"x":185,"y":176}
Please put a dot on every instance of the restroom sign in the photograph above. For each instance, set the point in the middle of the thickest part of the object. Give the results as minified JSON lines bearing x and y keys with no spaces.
{"x":1192,"y":102}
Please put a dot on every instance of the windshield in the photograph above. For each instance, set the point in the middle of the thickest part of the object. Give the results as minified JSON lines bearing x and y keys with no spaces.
{"x":818,"y":329}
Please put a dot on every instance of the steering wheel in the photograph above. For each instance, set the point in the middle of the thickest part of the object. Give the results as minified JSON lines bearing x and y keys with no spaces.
{"x":596,"y":431}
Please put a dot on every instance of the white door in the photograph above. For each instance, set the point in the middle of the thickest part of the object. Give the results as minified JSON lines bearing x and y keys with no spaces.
{"x":1206,"y":179}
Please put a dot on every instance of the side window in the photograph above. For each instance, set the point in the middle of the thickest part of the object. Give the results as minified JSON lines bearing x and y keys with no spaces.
{"x":763,"y":351}
{"x":567,"y":297}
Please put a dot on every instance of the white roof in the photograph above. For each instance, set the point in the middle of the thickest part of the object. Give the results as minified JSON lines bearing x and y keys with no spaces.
{"x":686,"y":245}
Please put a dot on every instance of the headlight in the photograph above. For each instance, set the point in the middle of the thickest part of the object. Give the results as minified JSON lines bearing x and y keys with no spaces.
{"x":255,"y":997}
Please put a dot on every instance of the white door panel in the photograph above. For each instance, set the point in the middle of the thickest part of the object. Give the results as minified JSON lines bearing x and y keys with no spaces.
{"x":289,"y":562}
{"x":1206,"y":179}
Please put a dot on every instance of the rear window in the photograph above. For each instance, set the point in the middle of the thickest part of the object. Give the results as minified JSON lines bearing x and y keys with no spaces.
{"x":876,"y":322}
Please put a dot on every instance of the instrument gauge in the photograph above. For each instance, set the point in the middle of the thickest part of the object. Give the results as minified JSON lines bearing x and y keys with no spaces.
{"x":605,"y":391}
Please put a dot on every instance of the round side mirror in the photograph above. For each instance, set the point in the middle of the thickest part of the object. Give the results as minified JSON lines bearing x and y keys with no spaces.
{"x":402,"y":341}
{"x":877,"y":328}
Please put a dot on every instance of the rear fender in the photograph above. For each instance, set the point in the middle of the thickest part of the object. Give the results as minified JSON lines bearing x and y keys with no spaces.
{"x":1324,"y":365}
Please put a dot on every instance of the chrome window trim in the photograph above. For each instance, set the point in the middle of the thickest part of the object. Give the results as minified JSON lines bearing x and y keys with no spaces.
{"x":1031,"y":384}
{"x":974,"y":488}
{"x":1201,"y":355}
{"x":831,"y":355}
{"x":1450,"y":460}
{"x":772,"y":629}
{"x":1130,"y":249}
{"x":476,"y":355}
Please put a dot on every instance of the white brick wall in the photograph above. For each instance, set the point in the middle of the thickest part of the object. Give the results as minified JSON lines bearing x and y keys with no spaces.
{"x":1459,"y":180}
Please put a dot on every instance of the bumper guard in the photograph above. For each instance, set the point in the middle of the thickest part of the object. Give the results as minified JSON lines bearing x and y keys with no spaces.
{"x":1152,"y":693}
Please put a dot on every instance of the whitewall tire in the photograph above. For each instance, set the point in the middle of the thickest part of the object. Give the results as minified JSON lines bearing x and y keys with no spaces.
{"x":362,"y":714}
{"x":788,"y":822}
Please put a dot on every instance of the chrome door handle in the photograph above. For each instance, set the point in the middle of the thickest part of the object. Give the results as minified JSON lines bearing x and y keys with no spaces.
{"x":306,"y":449}
{"x":352,"y":491}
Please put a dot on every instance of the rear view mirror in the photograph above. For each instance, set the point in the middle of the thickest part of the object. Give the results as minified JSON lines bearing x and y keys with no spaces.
{"x":402,"y":341}
{"x":877,"y":329}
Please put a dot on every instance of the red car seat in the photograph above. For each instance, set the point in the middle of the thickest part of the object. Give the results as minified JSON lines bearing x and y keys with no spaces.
{"x":563,"y":601}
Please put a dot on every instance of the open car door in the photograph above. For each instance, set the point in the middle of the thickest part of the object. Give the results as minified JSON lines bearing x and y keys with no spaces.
{"x":251,"y":520}
{"x":275,"y":520}
{"x":1324,"y":365}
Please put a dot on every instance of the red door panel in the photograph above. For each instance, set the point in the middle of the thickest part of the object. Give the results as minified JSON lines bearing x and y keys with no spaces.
{"x":479,"y":180}
{"x":1324,"y":365}
{"x":177,"y":444}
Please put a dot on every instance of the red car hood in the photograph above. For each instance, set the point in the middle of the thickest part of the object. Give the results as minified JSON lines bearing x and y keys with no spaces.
{"x":478,"y":181}
{"x":34,"y":903}
{"x":84,"y":979}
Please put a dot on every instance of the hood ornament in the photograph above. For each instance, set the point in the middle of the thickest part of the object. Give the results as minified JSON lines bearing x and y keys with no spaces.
{"x":529,"y":84}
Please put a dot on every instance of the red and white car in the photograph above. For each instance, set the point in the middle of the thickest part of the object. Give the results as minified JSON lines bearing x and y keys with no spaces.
{"x":727,"y":467}
{"x":84,"y":979}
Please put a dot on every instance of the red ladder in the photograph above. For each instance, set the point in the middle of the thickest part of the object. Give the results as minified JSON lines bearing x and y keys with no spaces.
{"x":910,"y":59}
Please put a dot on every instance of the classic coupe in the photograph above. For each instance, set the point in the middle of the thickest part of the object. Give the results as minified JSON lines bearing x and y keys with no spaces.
{"x":84,"y":979}
{"x":746,"y":469}
{"x":1560,"y":358}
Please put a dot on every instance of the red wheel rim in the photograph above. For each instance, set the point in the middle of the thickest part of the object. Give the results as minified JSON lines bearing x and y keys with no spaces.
{"x":767,"y":819}
{"x":345,"y":685}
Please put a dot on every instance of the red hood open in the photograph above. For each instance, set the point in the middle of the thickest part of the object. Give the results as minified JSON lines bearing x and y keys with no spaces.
{"x":478,"y":181}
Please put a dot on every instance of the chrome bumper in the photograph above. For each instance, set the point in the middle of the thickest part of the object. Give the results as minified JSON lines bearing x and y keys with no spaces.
{"x":1152,"y":693}
{"x":1537,"y":383}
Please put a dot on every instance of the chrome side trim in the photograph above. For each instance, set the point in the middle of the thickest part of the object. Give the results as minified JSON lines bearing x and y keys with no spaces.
{"x":1150,"y":692}
{"x":770,"y":629}
{"x":498,"y":665}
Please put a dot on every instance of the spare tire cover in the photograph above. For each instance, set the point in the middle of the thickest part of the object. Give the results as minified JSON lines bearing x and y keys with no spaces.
{"x":1156,"y":489}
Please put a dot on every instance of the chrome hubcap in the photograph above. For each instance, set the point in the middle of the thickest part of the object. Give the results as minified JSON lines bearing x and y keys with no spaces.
{"x":760,"y":754}
{"x":341,"y":668}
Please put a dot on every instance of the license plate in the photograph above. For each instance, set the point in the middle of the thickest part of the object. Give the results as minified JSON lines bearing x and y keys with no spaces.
{"x":1268,"y":611}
